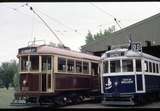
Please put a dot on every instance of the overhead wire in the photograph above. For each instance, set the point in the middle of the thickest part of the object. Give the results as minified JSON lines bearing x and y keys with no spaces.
{"x":31,"y":8}
{"x":55,"y":20}
{"x":51,"y":18}
{"x":106,"y":13}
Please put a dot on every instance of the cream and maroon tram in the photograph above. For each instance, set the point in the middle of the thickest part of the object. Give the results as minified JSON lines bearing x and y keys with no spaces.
{"x":49,"y":74}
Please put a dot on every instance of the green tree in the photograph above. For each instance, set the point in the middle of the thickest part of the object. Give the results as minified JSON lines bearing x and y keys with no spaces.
{"x":89,"y":38}
{"x":107,"y":32}
{"x":7,"y":73}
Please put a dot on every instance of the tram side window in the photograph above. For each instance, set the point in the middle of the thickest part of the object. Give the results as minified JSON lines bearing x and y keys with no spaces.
{"x":62,"y":64}
{"x":154,"y":68}
{"x":94,"y":68}
{"x":147,"y":69}
{"x":157,"y":71}
{"x":46,"y":63}
{"x":115,"y":66}
{"x":150,"y":67}
{"x":105,"y":66}
{"x":34,"y":62}
{"x":78,"y":66}
{"x":127,"y":65}
{"x":24,"y":60}
{"x":85,"y":67}
{"x":70,"y":65}
{"x":138,"y":65}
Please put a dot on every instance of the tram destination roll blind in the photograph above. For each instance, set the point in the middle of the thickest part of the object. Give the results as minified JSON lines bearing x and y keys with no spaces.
{"x":27,"y":50}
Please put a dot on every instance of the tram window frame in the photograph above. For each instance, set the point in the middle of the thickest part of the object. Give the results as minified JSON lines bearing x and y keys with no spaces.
{"x":62,"y":68}
{"x":138,"y":66}
{"x":147,"y":66}
{"x":78,"y":66}
{"x":34,"y":59}
{"x":116,"y":69}
{"x":46,"y":62}
{"x":24,"y":60}
{"x":126,"y":67}
{"x":70,"y":65}
{"x":94,"y":68}
{"x":150,"y":67}
{"x":85,"y":71}
{"x":105,"y":67}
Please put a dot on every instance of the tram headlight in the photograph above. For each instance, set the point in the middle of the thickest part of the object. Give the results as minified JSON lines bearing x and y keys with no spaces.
{"x":24,"y":82}
{"x":116,"y":83}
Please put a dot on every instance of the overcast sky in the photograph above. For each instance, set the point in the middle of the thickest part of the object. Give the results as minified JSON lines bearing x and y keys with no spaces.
{"x":71,"y":21}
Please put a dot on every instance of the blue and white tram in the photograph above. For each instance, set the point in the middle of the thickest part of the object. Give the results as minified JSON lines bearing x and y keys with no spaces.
{"x":129,"y":77}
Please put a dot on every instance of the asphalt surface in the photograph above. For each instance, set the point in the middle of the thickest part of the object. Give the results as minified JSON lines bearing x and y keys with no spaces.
{"x":99,"y":106}
{"x":88,"y":105}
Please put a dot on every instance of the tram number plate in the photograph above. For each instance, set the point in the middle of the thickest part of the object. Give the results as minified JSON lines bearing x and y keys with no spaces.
{"x":136,"y":46}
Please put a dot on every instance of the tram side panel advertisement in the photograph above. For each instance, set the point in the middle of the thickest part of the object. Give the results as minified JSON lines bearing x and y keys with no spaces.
{"x":119,"y":84}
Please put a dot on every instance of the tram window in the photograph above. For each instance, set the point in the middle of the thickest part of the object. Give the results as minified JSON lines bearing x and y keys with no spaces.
{"x":150,"y":67}
{"x":46,"y":63}
{"x":70,"y":65}
{"x":94,"y":68}
{"x":85,"y":67}
{"x":24,"y":60}
{"x":115,"y":66}
{"x":34,"y":62}
{"x":78,"y":66}
{"x":62,"y":64}
{"x":138,"y":65}
{"x":105,"y":66}
{"x":127,"y":65}
{"x":146,"y":62}
{"x":154,"y":68}
{"x":157,"y":68}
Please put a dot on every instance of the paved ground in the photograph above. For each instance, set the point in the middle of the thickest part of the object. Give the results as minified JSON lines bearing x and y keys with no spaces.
{"x":99,"y":106}
{"x":6,"y":97}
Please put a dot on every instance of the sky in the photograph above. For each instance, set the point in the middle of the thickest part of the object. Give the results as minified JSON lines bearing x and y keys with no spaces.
{"x":71,"y":21}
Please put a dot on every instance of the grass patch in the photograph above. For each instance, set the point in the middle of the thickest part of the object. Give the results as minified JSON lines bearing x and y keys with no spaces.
{"x":6,"y":97}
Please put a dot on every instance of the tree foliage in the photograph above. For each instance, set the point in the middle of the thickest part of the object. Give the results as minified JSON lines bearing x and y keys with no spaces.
{"x":89,"y":37}
{"x":107,"y":32}
{"x":8,"y":71}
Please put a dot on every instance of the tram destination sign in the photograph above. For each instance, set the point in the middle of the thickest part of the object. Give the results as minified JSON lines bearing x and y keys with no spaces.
{"x":27,"y":50}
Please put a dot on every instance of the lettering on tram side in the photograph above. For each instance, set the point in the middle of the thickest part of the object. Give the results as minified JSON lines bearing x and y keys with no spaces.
{"x":126,"y":81}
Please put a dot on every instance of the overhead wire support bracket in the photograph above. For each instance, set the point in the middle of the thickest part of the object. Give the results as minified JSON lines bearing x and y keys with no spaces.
{"x":31,"y":8}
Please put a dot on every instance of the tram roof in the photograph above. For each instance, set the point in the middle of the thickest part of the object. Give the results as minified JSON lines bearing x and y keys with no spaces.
{"x":131,"y":53}
{"x":46,"y":49}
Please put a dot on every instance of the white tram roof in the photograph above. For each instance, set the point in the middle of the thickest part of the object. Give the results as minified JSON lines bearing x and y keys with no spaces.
{"x":46,"y":49}
{"x":130,"y":53}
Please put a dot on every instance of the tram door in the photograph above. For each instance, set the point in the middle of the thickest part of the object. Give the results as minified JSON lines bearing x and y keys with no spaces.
{"x":46,"y":73}
{"x":44,"y":82}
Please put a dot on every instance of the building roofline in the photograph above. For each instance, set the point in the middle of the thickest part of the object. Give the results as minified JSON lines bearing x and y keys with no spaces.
{"x":126,"y":28}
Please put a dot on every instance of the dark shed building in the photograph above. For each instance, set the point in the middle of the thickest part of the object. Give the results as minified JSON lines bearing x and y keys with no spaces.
{"x":146,"y":31}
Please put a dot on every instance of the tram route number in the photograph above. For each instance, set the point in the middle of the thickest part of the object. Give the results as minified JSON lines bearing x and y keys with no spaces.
{"x":136,"y":46}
